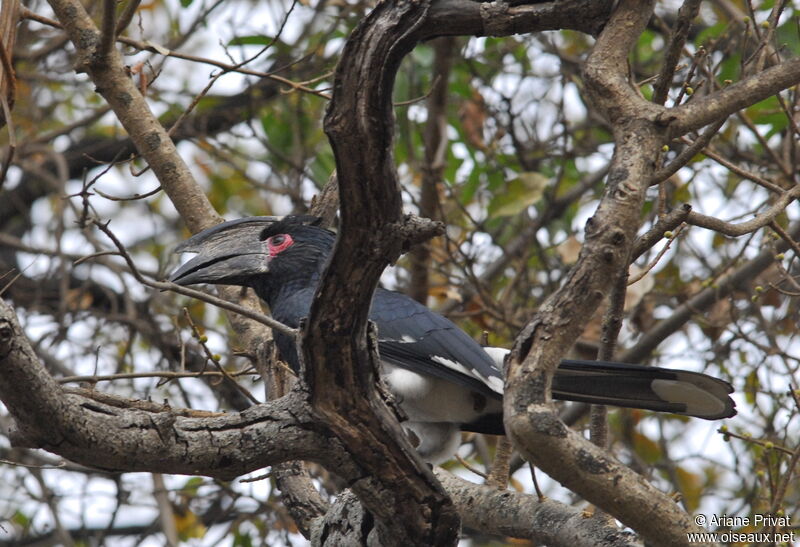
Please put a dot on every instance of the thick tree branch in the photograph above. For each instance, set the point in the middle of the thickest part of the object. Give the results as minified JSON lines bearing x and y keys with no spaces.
{"x":606,"y":69}
{"x":520,"y":515}
{"x":405,"y":498}
{"x":721,"y":104}
{"x":471,"y":18}
{"x":119,"y":435}
{"x":346,"y":424}
{"x":150,"y":437}
{"x":529,"y":416}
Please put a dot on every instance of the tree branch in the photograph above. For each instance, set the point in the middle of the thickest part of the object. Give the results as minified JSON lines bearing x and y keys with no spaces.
{"x":112,"y":80}
{"x":523,"y":516}
{"x":530,"y":418}
{"x":404,"y":496}
{"x":119,"y":438}
{"x":778,"y":207}
{"x":703,"y":300}
{"x":471,"y":18}
{"x":115,"y":434}
{"x":700,"y":112}
{"x":686,"y":14}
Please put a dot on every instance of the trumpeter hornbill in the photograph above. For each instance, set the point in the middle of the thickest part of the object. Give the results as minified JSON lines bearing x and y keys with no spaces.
{"x":444,"y":381}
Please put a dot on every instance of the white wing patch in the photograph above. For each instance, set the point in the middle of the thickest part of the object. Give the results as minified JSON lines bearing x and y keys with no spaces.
{"x":498,"y":355}
{"x":494,"y":383}
{"x":406,"y":339}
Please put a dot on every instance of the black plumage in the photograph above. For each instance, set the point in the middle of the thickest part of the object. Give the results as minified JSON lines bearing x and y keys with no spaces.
{"x":442,"y":378}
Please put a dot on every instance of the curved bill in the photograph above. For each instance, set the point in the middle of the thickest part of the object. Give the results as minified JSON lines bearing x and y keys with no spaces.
{"x":228,"y":253}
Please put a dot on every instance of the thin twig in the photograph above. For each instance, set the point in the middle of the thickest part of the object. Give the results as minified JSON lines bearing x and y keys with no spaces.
{"x":470,"y":467}
{"x":658,"y":257}
{"x":688,"y":153}
{"x":780,"y":493}
{"x":786,"y":237}
{"x":169,"y":375}
{"x":161,"y":50}
{"x":686,"y":14}
{"x":126,"y":16}
{"x":764,"y":444}
{"x":134,"y":197}
{"x":108,"y":32}
{"x":215,"y":359}
{"x":422,"y":97}
{"x":205,"y":297}
{"x":538,"y":490}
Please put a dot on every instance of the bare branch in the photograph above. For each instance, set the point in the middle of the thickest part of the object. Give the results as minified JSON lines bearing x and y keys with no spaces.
{"x":529,"y":416}
{"x":606,"y":69}
{"x":703,"y":300}
{"x":761,"y":220}
{"x":703,"y":111}
{"x":519,"y":515}
{"x":467,"y":17}
{"x":113,"y":82}
{"x":126,"y":16}
{"x":408,"y":502}
{"x":108,"y":31}
{"x":686,"y":15}
{"x":688,"y":153}
{"x":115,"y":438}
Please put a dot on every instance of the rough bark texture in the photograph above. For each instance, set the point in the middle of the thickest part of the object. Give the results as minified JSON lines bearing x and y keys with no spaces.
{"x":561,"y":524}
{"x":116,"y":435}
{"x":336,"y":417}
{"x":530,"y":419}
{"x":143,"y":436}
{"x":398,"y":489}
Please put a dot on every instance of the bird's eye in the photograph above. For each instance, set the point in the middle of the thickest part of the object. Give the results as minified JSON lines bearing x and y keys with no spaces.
{"x":279,"y":243}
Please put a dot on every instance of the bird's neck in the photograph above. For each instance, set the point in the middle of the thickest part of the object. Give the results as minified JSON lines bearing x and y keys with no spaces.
{"x":290,"y":300}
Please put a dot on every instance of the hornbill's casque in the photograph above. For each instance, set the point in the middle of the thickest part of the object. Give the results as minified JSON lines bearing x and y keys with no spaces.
{"x":443,"y":380}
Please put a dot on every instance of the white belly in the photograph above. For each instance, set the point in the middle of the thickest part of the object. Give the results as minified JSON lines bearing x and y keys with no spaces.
{"x":426,"y":398}
{"x":435,"y":408}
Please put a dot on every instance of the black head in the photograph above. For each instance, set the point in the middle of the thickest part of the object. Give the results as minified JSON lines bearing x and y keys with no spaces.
{"x":256,"y":251}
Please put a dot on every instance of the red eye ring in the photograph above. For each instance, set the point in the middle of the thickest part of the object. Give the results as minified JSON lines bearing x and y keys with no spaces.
{"x":279,"y":243}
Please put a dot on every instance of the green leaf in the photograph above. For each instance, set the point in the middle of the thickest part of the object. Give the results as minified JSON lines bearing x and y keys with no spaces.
{"x":242,"y":539}
{"x":254,"y":40}
{"x":191,"y":486}
{"x":751,"y":387}
{"x":470,"y":186}
{"x":730,"y":67}
{"x":712,"y":32}
{"x":520,"y":193}
{"x":21,"y":519}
